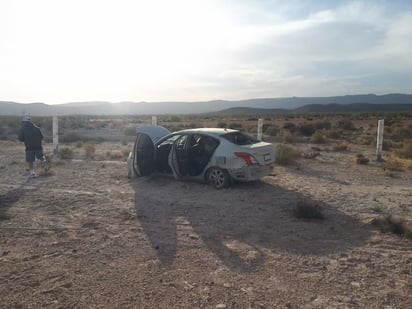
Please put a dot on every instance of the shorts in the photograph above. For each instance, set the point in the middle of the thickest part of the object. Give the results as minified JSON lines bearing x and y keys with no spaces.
{"x":31,"y":155}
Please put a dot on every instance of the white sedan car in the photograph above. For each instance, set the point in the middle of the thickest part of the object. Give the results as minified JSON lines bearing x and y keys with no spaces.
{"x":218,"y":156}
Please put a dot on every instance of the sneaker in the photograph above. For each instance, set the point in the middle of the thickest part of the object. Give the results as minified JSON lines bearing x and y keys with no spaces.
{"x":32,"y":175}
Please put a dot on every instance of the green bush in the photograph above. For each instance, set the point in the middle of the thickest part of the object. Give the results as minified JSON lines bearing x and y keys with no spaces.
{"x":322,"y":125}
{"x":307,"y":129}
{"x":317,"y":138}
{"x":289,"y":126}
{"x":71,"y":137}
{"x":346,"y":125}
{"x":286,"y":154}
{"x":65,"y":153}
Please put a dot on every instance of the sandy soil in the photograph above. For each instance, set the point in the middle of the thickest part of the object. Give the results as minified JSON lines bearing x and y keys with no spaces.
{"x":87,"y":237}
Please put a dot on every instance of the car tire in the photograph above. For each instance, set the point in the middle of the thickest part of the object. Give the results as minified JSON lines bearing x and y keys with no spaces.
{"x":217,"y":177}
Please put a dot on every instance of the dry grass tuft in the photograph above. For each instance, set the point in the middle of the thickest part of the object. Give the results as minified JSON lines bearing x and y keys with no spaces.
{"x":307,"y":210}
{"x":339,"y":147}
{"x":393,"y":224}
{"x":405,"y":152}
{"x":393,"y":164}
{"x":46,"y":167}
{"x":90,"y":149}
{"x":361,"y":159}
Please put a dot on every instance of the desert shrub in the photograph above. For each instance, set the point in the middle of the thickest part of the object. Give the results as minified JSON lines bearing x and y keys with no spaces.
{"x":222,"y":124}
{"x":307,"y":129}
{"x":307,"y":210}
{"x":387,"y":144}
{"x":317,"y":138}
{"x":345,"y":124}
{"x":286,"y":136}
{"x":125,"y":152}
{"x":286,"y":154}
{"x":339,"y":147}
{"x":65,"y":153}
{"x":394,"y":224}
{"x":322,"y":125}
{"x":115,"y":155}
{"x":400,"y":133}
{"x":334,"y":133}
{"x":90,"y":149}
{"x":235,"y":125}
{"x":71,"y":137}
{"x":361,"y":159}
{"x":405,"y":152}
{"x":271,"y":130}
{"x":289,"y":126}
{"x":130,"y":131}
{"x":393,"y":164}
{"x":46,"y":167}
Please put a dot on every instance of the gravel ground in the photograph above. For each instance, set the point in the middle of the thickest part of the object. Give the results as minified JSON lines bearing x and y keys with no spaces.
{"x":88,"y":237}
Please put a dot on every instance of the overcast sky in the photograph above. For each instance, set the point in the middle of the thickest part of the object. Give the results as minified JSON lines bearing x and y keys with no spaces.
{"x":159,"y":50}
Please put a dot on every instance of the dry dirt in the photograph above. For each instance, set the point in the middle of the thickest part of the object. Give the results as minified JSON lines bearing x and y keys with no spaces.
{"x":88,"y":237}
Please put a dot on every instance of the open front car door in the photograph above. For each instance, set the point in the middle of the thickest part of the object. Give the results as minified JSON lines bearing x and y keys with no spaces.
{"x":144,"y":155}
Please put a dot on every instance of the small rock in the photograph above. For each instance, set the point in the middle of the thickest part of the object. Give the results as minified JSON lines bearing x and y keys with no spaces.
{"x":355,"y":285}
{"x":221,"y":306}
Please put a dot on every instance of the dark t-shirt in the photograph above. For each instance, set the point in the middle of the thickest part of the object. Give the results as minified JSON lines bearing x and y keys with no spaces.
{"x":31,"y":136}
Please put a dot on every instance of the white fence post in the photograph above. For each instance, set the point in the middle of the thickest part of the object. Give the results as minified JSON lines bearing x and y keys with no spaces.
{"x":260,"y":128}
{"x":154,"y":120}
{"x":55,"y":134}
{"x":379,"y":142}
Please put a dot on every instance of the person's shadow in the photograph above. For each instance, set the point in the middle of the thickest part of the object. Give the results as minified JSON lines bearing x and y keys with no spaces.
{"x":8,"y":199}
{"x":239,"y":223}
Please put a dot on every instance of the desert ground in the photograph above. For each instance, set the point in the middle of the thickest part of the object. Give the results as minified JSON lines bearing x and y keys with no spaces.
{"x":86,"y":236}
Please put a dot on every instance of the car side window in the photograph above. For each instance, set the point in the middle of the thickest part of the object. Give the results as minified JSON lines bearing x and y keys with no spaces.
{"x":180,"y":143}
{"x":169,"y":141}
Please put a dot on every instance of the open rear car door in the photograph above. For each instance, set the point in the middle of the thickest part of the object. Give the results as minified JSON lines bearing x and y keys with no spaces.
{"x":178,"y":157}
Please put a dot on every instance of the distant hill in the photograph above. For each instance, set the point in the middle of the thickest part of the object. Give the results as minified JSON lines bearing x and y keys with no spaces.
{"x":361,"y":103}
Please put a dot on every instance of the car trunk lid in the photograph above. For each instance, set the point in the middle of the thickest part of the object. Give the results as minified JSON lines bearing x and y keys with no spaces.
{"x":263,"y":152}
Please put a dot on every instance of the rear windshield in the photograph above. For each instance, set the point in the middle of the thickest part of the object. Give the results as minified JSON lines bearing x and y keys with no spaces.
{"x":239,"y":138}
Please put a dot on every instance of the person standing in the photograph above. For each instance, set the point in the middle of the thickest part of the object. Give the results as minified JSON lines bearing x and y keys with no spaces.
{"x":32,"y":138}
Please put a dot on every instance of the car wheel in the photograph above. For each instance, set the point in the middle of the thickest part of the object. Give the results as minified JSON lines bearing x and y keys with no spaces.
{"x":218,"y":177}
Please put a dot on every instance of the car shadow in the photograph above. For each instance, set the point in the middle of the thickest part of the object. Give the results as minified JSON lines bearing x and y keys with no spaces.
{"x":238,"y":224}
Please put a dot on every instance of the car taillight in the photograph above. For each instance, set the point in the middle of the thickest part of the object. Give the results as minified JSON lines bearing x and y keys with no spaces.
{"x":249,"y":159}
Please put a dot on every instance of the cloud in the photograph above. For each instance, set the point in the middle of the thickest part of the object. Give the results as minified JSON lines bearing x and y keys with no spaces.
{"x":57,"y":51}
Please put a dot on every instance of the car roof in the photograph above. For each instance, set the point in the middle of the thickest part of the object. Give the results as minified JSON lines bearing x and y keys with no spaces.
{"x":210,"y":131}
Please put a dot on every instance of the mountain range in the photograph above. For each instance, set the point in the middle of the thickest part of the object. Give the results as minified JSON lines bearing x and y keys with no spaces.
{"x":348,"y":103}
